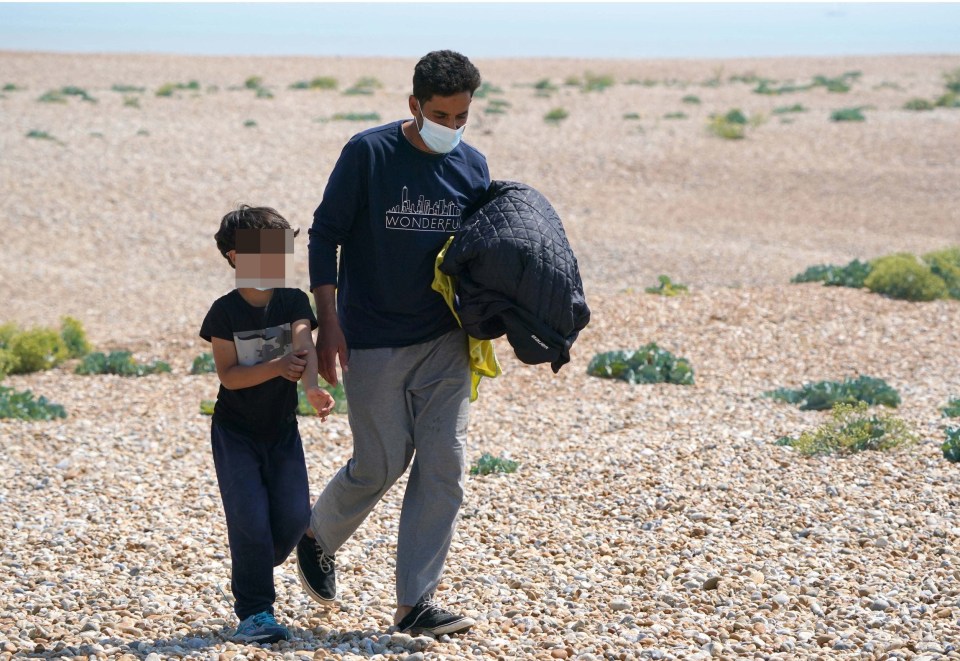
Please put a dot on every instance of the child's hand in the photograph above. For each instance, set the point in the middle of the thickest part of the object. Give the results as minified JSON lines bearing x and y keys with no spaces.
{"x":321,"y":400}
{"x":293,"y":364}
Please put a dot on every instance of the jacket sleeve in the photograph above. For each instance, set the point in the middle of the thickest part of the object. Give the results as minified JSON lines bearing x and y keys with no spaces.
{"x":343,"y":199}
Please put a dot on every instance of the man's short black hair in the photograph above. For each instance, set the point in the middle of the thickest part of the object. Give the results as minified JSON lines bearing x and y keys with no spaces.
{"x":444,"y":73}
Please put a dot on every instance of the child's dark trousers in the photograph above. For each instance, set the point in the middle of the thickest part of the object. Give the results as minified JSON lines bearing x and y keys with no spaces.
{"x":263,"y":485}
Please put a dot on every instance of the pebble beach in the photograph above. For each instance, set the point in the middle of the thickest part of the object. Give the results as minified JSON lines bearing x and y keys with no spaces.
{"x":644,"y":521}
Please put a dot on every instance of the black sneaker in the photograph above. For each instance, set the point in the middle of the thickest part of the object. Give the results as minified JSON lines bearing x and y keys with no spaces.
{"x":428,"y":617}
{"x":316,"y":570}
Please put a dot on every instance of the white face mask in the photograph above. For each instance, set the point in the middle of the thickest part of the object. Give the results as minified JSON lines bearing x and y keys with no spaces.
{"x":438,"y":137}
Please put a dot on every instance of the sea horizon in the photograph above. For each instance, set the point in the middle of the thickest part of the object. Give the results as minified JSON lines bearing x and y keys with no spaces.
{"x":496,"y":30}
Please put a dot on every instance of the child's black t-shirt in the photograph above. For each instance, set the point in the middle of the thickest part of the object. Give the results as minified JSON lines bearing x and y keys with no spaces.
{"x":259,"y":334}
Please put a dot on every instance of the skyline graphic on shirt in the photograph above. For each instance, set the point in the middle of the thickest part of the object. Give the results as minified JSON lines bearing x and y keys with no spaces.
{"x":259,"y":346}
{"x":424,"y":215}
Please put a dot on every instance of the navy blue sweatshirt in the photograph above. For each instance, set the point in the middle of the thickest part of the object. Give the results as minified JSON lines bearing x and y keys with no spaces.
{"x":391,"y":208}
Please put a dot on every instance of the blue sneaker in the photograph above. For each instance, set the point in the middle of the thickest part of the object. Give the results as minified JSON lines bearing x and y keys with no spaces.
{"x":261,"y":628}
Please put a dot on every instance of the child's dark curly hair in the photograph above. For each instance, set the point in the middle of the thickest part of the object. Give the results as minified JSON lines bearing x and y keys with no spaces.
{"x":444,"y":73}
{"x":247,"y":218}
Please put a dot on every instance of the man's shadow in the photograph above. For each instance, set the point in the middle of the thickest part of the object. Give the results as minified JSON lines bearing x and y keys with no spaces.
{"x":204,"y":639}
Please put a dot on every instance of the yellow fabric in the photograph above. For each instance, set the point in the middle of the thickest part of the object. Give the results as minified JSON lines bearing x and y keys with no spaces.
{"x":483,"y":359}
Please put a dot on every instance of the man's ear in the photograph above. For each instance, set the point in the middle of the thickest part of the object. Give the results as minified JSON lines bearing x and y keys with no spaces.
{"x":232,"y":256}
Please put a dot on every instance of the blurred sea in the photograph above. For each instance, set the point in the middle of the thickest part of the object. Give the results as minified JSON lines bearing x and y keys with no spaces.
{"x":486,"y":30}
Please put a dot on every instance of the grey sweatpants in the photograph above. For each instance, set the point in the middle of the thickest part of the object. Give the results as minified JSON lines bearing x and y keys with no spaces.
{"x":404,"y":402}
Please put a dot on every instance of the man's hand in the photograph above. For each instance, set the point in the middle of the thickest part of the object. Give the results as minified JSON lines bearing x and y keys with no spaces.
{"x":292,"y":365}
{"x":330,"y":347}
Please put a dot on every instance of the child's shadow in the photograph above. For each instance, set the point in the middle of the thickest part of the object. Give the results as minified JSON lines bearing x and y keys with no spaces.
{"x":140,"y":648}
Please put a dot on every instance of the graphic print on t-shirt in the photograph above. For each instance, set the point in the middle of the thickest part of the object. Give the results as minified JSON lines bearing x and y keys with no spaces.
{"x":254,"y":347}
{"x":424,"y":215}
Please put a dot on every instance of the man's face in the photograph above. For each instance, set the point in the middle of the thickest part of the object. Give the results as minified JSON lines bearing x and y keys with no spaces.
{"x":264,"y":257}
{"x":450,"y":111}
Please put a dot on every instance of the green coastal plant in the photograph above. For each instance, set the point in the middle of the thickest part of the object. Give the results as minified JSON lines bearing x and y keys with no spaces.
{"x":167,"y":89}
{"x":488,"y":464}
{"x":848,"y":115}
{"x":951,"y":446}
{"x":363,"y":86}
{"x":203,"y":364}
{"x":919,"y":104}
{"x":593,"y":82}
{"x":851,"y":430}
{"x":22,"y":405}
{"x":796,"y":107}
{"x":207,"y":406}
{"x":645,"y":82}
{"x":667,"y":287}
{"x":253,"y":82}
{"x":249,"y":123}
{"x":902,"y":276}
{"x":948,"y":100}
{"x":749,"y":78}
{"x":648,"y":364}
{"x":840,"y":83}
{"x":8,"y":362}
{"x":823,"y":395}
{"x":851,"y":275}
{"x":952,"y":409}
{"x":485,"y":90}
{"x":556,"y":115}
{"x":766,"y":88}
{"x":74,"y":337}
{"x":544,"y":85}
{"x":127,"y":89}
{"x":41,"y":135}
{"x":692,"y":99}
{"x":675,"y":115}
{"x":945,"y":264}
{"x":356,"y":117}
{"x":318,"y":83}
{"x":7,"y":331}
{"x":730,"y":126}
{"x":59,"y":96}
{"x":36,"y":349}
{"x":120,"y":363}
{"x":952,"y":80}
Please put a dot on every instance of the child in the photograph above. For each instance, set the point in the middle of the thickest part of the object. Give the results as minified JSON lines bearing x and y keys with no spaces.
{"x":262,"y":345}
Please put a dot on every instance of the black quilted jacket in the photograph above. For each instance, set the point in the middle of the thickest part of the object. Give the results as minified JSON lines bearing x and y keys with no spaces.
{"x":516,"y":275}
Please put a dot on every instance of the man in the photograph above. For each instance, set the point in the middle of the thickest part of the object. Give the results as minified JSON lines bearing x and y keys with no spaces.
{"x":393,"y":199}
